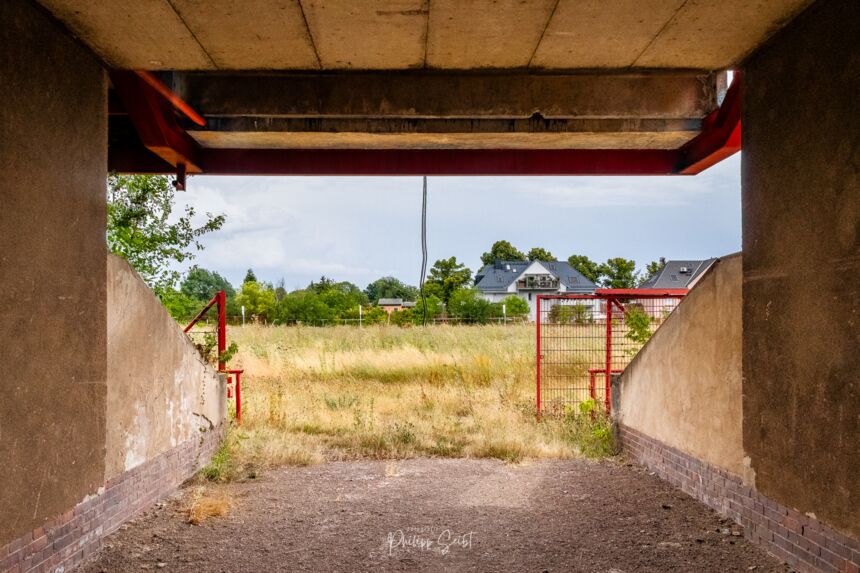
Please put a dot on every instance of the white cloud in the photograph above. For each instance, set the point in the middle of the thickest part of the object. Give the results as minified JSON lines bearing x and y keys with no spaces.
{"x":360,"y":228}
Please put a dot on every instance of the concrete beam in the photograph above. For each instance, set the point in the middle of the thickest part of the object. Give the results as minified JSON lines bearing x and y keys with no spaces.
{"x":446,"y":95}
{"x":421,"y":133}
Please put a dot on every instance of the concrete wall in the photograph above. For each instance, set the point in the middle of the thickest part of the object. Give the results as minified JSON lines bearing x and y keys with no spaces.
{"x":160,"y":392}
{"x":53,"y":162}
{"x":87,"y":392}
{"x":684,"y":386}
{"x":801,"y":276}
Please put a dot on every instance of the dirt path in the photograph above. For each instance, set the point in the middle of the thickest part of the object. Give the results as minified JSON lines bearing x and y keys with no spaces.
{"x":441,"y":515}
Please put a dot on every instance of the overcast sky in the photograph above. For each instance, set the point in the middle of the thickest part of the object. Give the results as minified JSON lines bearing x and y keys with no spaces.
{"x":361,"y":228}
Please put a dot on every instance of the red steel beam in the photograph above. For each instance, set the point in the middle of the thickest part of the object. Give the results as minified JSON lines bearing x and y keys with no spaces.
{"x":155,"y":121}
{"x":721,"y":136}
{"x":437,"y":162}
{"x":642,"y":292}
{"x":174,"y":99}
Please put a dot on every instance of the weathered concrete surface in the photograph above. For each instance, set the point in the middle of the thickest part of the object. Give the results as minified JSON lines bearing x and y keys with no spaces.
{"x":160,"y":393}
{"x":801,"y":242}
{"x":272,"y":34}
{"x":580,"y":35}
{"x":715,"y":34}
{"x":53,"y":162}
{"x":485,"y":33}
{"x":387,"y":34}
{"x":138,"y":34}
{"x":670,"y":95}
{"x":405,"y":34}
{"x":684,"y":386}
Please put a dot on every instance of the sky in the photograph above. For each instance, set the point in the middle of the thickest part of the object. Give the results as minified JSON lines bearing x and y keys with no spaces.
{"x":361,"y":228}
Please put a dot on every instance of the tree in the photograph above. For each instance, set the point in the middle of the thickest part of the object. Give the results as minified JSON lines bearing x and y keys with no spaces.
{"x":323,"y":285}
{"x":515,"y":307}
{"x":250,"y":277}
{"x":257,"y":299}
{"x":390,"y":287}
{"x":304,"y":306}
{"x":180,"y":306}
{"x":448,"y":275}
{"x":588,"y":268}
{"x":502,"y":251}
{"x":540,"y":254}
{"x":280,"y":290}
{"x":468,"y":304}
{"x":201,"y":284}
{"x":434,"y":309}
{"x":138,"y":210}
{"x":651,"y":270}
{"x":619,"y":273}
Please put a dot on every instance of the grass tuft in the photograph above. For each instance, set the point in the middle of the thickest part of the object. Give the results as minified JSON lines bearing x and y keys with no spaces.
{"x":205,"y":504}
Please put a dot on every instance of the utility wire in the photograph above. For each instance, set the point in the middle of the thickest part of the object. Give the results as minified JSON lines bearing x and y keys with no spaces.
{"x":423,"y":251}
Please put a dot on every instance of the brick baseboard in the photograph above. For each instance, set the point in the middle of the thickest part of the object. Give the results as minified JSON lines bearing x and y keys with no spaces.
{"x":65,"y":541}
{"x":799,"y":540}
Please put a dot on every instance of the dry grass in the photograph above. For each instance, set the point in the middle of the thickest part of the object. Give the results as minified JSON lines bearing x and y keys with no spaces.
{"x":313,"y":394}
{"x":204,"y":504}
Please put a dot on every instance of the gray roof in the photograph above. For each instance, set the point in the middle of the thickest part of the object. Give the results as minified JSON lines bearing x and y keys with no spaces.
{"x":496,"y":278}
{"x":678,"y":274}
{"x":390,"y":302}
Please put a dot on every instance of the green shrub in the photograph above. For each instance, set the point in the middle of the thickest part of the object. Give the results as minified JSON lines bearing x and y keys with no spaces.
{"x":220,"y":467}
{"x":589,"y":428}
{"x":638,"y":324}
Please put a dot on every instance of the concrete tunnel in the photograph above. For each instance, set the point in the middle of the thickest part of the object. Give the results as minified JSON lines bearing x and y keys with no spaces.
{"x":330,"y":88}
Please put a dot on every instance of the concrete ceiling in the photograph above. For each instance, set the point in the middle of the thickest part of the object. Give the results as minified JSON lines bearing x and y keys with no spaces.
{"x":428,"y":34}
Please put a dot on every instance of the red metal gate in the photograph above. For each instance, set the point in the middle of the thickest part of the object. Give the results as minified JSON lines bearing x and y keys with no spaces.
{"x":582,"y":340}
{"x":234,"y":377}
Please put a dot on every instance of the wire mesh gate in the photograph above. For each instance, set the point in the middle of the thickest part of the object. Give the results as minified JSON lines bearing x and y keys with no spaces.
{"x":583,"y":340}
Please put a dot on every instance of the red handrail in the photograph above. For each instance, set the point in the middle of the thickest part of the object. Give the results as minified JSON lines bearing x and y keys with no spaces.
{"x":237,"y":374}
{"x":220,"y":299}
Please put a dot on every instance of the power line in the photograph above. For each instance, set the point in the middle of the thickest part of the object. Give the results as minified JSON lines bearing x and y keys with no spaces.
{"x":423,"y":251}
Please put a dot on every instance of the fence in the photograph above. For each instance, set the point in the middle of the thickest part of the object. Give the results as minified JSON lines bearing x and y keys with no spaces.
{"x":234,"y":377}
{"x":584,"y":340}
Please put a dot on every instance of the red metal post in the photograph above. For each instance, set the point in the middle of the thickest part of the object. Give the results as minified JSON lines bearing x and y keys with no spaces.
{"x":222,"y":328}
{"x":591,"y":384}
{"x":234,"y":381}
{"x":537,"y":358}
{"x":239,"y":396}
{"x":609,"y":302}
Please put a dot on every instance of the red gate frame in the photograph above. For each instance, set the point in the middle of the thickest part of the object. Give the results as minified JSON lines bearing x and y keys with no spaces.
{"x":220,"y":301}
{"x":612,"y":297}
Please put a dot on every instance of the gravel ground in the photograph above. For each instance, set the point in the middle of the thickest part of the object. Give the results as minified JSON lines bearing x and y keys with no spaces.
{"x":440,"y":515}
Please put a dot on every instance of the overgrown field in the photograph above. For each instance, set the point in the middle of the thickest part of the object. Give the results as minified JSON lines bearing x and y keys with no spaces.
{"x":314,"y":394}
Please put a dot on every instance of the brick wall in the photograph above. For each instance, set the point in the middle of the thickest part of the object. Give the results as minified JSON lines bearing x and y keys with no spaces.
{"x":66,"y":540}
{"x":799,"y":540}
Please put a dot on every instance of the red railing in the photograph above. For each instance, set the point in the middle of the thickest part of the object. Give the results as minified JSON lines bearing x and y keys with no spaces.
{"x":220,"y":302}
{"x":583,"y":337}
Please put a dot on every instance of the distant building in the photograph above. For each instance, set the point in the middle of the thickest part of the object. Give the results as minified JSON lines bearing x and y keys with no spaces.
{"x":678,"y":274}
{"x":390,"y":305}
{"x":527,"y":279}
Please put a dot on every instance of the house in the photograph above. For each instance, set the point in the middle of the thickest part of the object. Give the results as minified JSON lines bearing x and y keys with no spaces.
{"x":390,"y":305}
{"x":678,"y":274}
{"x":674,"y":275}
{"x":527,"y":279}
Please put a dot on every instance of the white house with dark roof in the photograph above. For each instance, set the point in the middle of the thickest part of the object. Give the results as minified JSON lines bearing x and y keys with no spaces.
{"x":527,"y":279}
